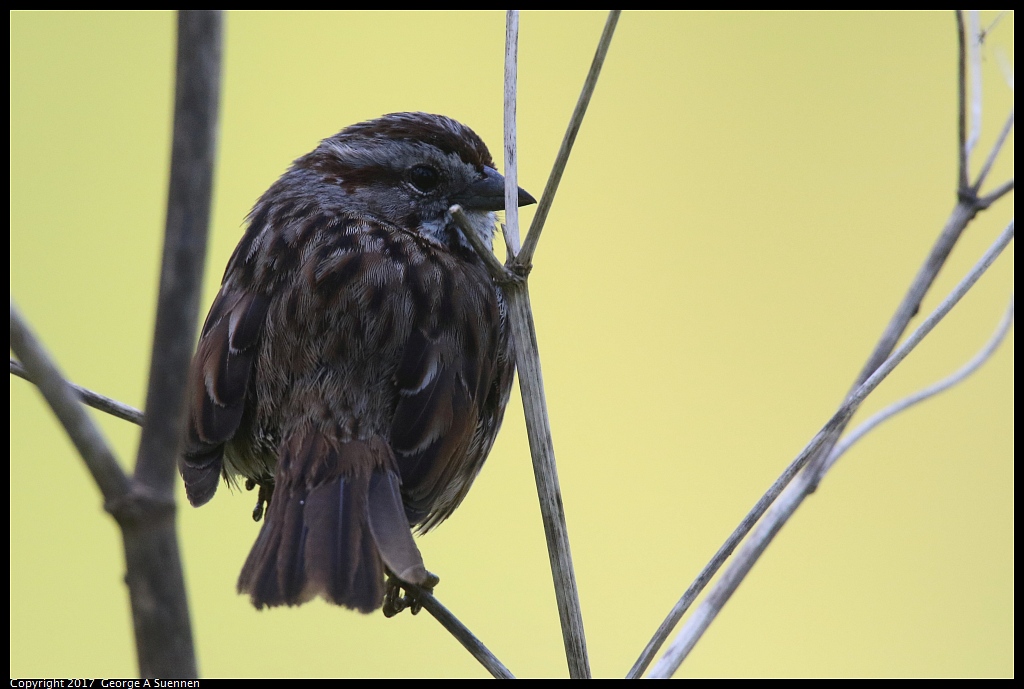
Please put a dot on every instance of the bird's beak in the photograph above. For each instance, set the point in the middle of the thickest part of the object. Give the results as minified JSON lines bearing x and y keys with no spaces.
{"x":488,"y":193}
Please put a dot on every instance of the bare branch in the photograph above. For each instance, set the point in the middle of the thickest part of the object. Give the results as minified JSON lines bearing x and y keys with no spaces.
{"x":163,"y":633}
{"x":908,"y":308}
{"x":996,"y":148}
{"x":464,"y":636}
{"x":525,"y":257}
{"x":63,"y":400}
{"x":992,"y":25}
{"x":508,"y":244}
{"x":962,"y":214}
{"x":197,"y":94}
{"x":497,"y":271}
{"x":965,"y":210}
{"x":794,"y":495}
{"x":531,"y":385}
{"x":711,"y":568}
{"x":538,"y":429}
{"x":921,"y":395}
{"x":998,"y":193}
{"x":962,"y":173}
{"x":92,"y":399}
{"x":958,"y":220}
{"x":974,"y":68}
{"x":511,"y":155}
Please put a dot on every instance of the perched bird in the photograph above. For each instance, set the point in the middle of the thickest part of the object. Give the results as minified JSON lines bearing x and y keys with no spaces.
{"x":356,"y":364}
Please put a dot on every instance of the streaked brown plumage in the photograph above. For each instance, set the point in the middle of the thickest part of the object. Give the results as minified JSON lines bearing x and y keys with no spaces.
{"x":356,"y":363}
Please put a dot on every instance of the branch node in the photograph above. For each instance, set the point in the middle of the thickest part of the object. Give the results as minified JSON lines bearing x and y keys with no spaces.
{"x":140,"y":506}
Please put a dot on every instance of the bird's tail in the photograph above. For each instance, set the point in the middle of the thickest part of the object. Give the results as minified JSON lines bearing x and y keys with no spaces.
{"x":334,"y":522}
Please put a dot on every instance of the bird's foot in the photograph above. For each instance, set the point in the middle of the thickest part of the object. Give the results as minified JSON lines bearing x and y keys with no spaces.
{"x":395,"y":601}
{"x":262,"y":499}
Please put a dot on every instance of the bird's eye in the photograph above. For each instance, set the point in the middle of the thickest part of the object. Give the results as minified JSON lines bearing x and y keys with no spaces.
{"x":424,"y":178}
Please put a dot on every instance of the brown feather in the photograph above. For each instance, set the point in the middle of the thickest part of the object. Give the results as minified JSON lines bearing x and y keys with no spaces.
{"x":356,"y":363}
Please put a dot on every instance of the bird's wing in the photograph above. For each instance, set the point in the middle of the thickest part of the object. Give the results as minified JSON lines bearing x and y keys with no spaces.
{"x":218,"y":380}
{"x":453,"y":382}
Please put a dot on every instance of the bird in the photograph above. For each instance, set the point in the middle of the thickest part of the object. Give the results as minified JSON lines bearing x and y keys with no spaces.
{"x":356,"y":363}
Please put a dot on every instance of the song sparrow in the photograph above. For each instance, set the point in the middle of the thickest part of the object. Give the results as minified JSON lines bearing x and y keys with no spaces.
{"x":356,"y":363}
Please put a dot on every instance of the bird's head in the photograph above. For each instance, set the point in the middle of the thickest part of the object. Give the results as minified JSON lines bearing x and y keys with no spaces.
{"x":408,"y":169}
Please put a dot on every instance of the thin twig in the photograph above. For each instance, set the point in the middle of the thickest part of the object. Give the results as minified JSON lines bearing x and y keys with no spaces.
{"x":794,"y":495}
{"x":711,"y":568}
{"x":525,"y":257}
{"x":992,"y":25}
{"x":538,"y":424}
{"x":962,"y":173}
{"x":464,"y":636}
{"x":64,"y":402}
{"x":921,"y":395}
{"x":996,"y":148}
{"x":974,"y":68}
{"x":511,"y":156}
{"x":92,"y":399}
{"x":497,"y":271}
{"x":962,"y":214}
{"x":508,"y":244}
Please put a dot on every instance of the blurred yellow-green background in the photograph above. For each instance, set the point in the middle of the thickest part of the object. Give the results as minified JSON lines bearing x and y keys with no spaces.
{"x":749,"y":196}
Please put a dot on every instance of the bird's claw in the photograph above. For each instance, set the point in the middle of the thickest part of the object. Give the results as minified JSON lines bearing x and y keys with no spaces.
{"x":395,"y":601}
{"x":263,"y":499}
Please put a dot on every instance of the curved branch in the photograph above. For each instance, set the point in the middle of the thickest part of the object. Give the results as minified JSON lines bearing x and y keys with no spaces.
{"x":921,"y":395}
{"x":804,"y":484}
{"x":962,"y":214}
{"x":63,"y":400}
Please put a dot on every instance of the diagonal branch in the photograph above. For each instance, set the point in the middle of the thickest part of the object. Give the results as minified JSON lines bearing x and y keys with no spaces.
{"x":498,"y":272}
{"x":463,"y":635}
{"x":64,"y":402}
{"x":90,"y":398}
{"x":962,"y":214}
{"x":968,"y":205}
{"x":525,"y":258}
{"x":795,"y":494}
{"x":994,"y":153}
{"x":921,"y":395}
